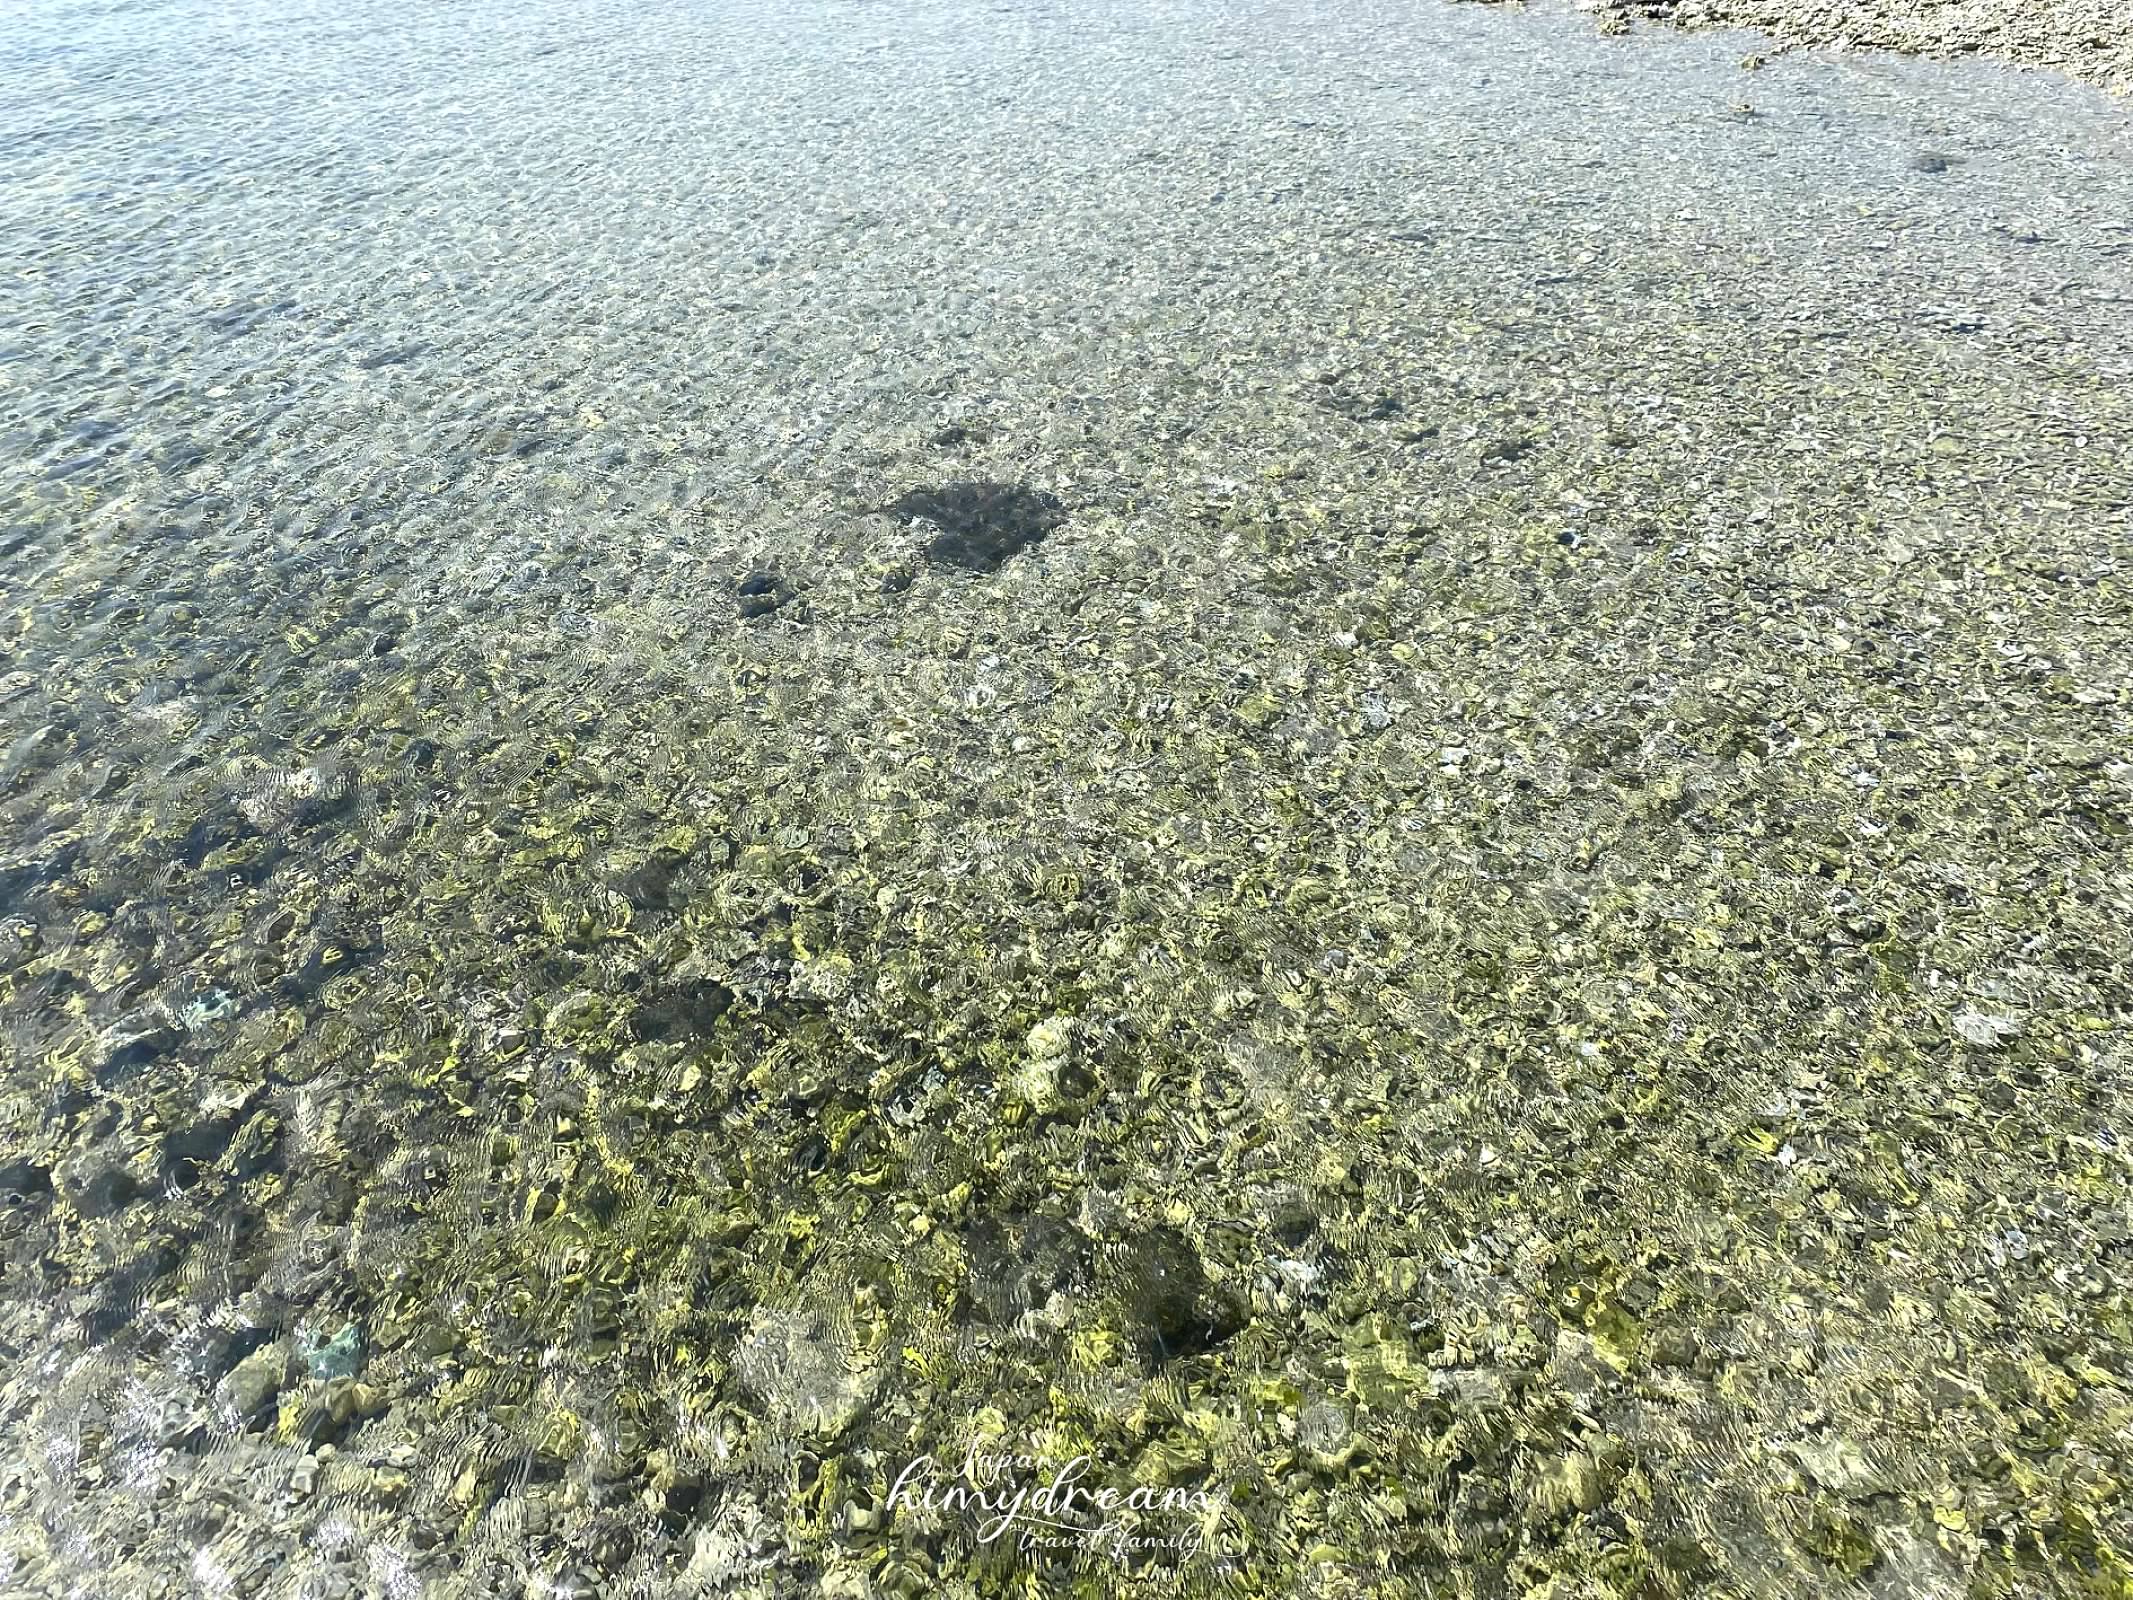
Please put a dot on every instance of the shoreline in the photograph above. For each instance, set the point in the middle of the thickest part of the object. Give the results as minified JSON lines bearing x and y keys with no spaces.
{"x":2082,"y":38}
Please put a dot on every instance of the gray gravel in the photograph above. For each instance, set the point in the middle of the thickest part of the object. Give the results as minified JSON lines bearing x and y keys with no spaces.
{"x":2092,"y":39}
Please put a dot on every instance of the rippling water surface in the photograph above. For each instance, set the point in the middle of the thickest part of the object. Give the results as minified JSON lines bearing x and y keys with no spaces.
{"x":1364,"y":765}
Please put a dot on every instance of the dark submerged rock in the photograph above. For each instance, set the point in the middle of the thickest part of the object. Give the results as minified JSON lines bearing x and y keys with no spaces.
{"x":23,"y":1183}
{"x":136,"y":1042}
{"x":764,"y":592}
{"x":97,"y":1184}
{"x":760,"y":593}
{"x":687,"y":1010}
{"x":1294,"y":1220}
{"x":1181,"y":1313}
{"x":1379,"y":407}
{"x":330,"y":953}
{"x":653,"y":886}
{"x":982,"y":524}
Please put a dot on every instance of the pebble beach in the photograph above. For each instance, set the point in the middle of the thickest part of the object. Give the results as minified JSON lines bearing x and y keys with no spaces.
{"x":2090,"y":39}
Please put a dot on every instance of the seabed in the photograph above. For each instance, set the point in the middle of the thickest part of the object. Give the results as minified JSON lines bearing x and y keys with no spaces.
{"x":1360,"y":773}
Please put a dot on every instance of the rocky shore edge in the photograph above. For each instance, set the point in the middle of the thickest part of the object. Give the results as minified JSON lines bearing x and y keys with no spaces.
{"x":2090,"y":39}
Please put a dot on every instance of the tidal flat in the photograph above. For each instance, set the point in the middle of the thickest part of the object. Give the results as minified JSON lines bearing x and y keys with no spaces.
{"x":1361,"y":771}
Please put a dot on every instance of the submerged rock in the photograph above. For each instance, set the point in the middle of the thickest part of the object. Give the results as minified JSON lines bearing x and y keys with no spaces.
{"x":804,"y":1367}
{"x":981,"y":524}
{"x":338,"y":1357}
{"x":252,"y":1386}
{"x":1019,"y":1264}
{"x":1165,"y":1286}
{"x":135,"y":1042}
{"x":685,"y":1011}
{"x":761,"y":593}
{"x":1374,"y":407}
{"x":1044,"y":1076}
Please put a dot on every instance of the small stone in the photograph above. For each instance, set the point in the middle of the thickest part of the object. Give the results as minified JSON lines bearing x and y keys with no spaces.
{"x":22,"y":1181}
{"x":98,"y":1183}
{"x":347,"y":1399}
{"x":1048,"y":1040}
{"x":1985,"y":1032}
{"x":1045,"y":1076}
{"x":1480,"y":1387}
{"x":760,"y":593}
{"x":1838,"y":1466}
{"x":254,"y":1383}
{"x":1327,"y":1433}
{"x":18,"y":938}
{"x":1673,"y":1347}
{"x":205,"y":1010}
{"x":338,"y":1357}
{"x":1574,"y":1483}
{"x":1292,"y":1216}
{"x":133,"y":1044}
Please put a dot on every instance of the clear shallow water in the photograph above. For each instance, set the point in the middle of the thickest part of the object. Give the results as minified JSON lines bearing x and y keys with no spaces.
{"x":1505,"y":949}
